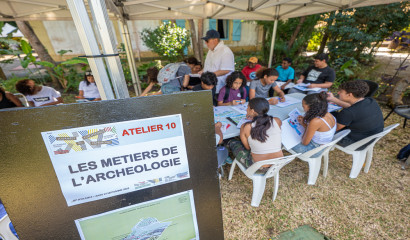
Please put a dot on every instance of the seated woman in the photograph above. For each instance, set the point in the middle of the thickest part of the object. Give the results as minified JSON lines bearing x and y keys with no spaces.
{"x":260,"y":88}
{"x":320,"y":126}
{"x":234,"y":92}
{"x":8,"y":100}
{"x":38,"y":95}
{"x":260,"y":138}
{"x":88,"y":89}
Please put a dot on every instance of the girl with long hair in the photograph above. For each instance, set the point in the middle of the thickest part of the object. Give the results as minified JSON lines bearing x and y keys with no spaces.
{"x":88,"y":89}
{"x":234,"y":92}
{"x":260,"y":139}
{"x":320,"y":126}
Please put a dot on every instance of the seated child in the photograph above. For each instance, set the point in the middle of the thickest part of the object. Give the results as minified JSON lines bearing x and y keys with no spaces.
{"x":152,"y":74}
{"x":208,"y":82}
{"x":318,"y":76}
{"x":88,"y":89}
{"x":194,"y":76}
{"x":286,"y":72}
{"x":364,"y":116}
{"x":38,"y":95}
{"x":234,"y":92}
{"x":320,"y":125}
{"x":261,"y":138}
{"x":260,"y":88}
{"x":249,"y":71}
{"x":8,"y":100}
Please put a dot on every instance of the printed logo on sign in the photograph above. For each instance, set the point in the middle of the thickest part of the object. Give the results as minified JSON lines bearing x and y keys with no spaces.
{"x":83,"y":140}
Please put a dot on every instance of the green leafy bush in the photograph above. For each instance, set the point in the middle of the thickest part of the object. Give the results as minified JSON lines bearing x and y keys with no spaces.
{"x":167,"y":40}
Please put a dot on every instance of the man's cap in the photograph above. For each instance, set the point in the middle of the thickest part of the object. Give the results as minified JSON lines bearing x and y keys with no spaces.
{"x":211,"y":34}
{"x":253,"y":60}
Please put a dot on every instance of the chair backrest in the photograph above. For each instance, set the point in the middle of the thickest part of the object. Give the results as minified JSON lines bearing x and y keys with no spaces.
{"x":276,"y":165}
{"x":22,"y":99}
{"x":5,"y":231}
{"x":336,"y":138}
{"x":373,"y":86}
{"x":377,"y":136}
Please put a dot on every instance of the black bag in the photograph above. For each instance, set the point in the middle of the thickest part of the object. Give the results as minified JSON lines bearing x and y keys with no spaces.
{"x":404,"y":153}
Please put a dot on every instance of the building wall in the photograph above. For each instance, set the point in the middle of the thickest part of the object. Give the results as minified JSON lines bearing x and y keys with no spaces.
{"x":62,"y":35}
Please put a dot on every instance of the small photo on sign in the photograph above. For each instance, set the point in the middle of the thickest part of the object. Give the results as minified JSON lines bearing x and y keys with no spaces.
{"x":172,"y":217}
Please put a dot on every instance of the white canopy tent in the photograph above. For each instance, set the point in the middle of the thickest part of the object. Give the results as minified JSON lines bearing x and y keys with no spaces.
{"x":102,"y":10}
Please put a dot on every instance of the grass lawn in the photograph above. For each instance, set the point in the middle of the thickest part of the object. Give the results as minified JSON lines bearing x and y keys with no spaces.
{"x":373,"y":206}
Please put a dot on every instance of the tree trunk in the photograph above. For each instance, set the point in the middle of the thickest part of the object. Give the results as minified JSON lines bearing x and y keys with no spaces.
{"x":323,"y":42}
{"x":199,"y":40}
{"x":326,"y":35}
{"x":35,"y":42}
{"x":296,"y":32}
{"x":194,"y":40}
{"x":263,"y":45}
{"x":401,"y":86}
{"x":398,"y":90}
{"x":2,"y":75}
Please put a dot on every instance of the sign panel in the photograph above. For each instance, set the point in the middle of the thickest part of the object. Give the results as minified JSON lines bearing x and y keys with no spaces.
{"x":106,"y":160}
{"x":170,"y":217}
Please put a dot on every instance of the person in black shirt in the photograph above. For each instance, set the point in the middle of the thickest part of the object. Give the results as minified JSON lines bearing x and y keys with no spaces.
{"x":364,"y":116}
{"x":208,"y":82}
{"x":8,"y":100}
{"x":318,"y":76}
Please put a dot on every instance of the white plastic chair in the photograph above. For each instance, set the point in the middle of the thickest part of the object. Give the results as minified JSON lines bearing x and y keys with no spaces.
{"x":22,"y":98}
{"x":359,"y":156}
{"x":315,"y":162}
{"x":259,"y":179}
{"x":5,"y":231}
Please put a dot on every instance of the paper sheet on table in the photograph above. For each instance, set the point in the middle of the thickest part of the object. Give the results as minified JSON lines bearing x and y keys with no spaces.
{"x":241,"y":108}
{"x":290,"y":137}
{"x":304,"y":87}
{"x":289,"y":86}
{"x":333,"y":107}
{"x":242,"y":121}
{"x":292,"y":131}
{"x":288,"y":101}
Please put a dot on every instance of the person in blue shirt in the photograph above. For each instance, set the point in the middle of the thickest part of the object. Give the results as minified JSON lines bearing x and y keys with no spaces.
{"x":286,"y":72}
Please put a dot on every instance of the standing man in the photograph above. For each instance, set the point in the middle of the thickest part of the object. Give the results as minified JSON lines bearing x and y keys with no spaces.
{"x":250,"y":70}
{"x":318,"y":76}
{"x":286,"y":72}
{"x":219,"y":60}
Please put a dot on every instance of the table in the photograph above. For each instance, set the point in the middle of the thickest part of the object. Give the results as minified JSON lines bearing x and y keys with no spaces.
{"x":275,"y":111}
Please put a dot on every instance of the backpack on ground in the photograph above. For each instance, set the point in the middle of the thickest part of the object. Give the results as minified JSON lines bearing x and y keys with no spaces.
{"x":404,"y":153}
{"x":169,"y":72}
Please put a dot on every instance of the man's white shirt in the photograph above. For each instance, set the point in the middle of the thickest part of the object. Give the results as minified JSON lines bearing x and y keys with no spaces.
{"x":221,"y":58}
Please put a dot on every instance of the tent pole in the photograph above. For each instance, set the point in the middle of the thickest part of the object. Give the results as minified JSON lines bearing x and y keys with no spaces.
{"x":90,"y":46}
{"x":275,"y":28}
{"x":130,"y":56}
{"x":103,"y":23}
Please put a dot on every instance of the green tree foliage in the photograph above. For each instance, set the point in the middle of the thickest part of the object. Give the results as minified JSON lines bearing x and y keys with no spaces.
{"x":167,"y":40}
{"x":353,"y":31}
{"x":286,"y":29}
